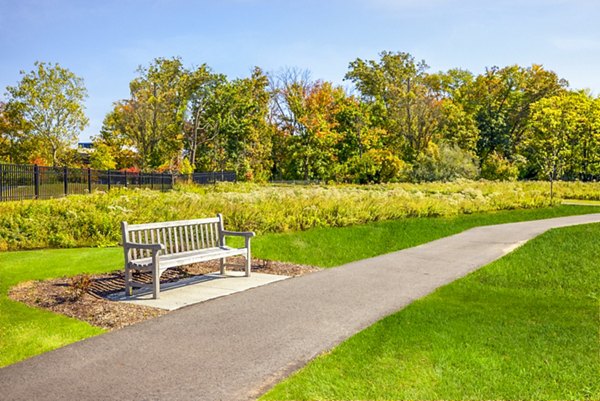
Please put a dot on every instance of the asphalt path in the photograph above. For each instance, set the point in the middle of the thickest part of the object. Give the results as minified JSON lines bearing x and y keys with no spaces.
{"x":238,"y":346}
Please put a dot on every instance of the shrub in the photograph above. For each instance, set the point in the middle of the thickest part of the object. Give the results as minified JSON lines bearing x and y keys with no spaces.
{"x":185,"y":167}
{"x":496,"y":167}
{"x":93,"y":220}
{"x":101,"y":158}
{"x":444,"y":163}
{"x":374,"y":167}
{"x":79,"y":286}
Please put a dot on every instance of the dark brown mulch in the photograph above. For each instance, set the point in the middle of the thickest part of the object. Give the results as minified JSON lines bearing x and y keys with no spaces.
{"x":84,"y":297}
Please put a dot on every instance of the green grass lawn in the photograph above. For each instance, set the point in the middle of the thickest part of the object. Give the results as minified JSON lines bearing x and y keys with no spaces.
{"x":523,"y":327}
{"x":328,"y":247}
{"x":25,"y":331}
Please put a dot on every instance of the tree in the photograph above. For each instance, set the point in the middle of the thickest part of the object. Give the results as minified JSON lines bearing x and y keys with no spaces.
{"x":152,"y":119}
{"x":584,"y":163}
{"x":500,"y":100}
{"x":358,"y":126}
{"x":5,"y":137}
{"x":46,"y":107}
{"x":199,"y":128}
{"x":117,"y":145}
{"x":228,"y":126}
{"x":554,"y":121}
{"x":305,"y":112}
{"x":457,"y":125}
{"x":249,"y":135}
{"x":397,"y":88}
{"x":101,"y":157}
{"x":284,"y":88}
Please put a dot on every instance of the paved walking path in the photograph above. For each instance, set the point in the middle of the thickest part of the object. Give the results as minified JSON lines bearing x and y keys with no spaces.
{"x":236,"y":347}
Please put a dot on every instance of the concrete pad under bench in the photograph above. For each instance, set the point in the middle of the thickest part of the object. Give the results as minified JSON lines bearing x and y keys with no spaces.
{"x":197,"y":289}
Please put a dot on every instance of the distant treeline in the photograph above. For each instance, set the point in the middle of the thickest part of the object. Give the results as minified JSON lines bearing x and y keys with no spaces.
{"x":398,"y":122}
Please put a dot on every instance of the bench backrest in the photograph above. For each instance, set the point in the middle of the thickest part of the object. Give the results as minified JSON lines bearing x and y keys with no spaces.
{"x":176,"y":236}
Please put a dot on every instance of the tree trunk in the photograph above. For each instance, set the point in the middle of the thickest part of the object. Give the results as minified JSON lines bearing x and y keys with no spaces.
{"x":306,"y":168}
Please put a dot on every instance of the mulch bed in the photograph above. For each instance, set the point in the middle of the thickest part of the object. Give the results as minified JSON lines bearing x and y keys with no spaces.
{"x":83,"y":297}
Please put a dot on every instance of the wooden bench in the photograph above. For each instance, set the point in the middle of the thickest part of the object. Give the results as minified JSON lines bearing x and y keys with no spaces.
{"x":156,"y":247}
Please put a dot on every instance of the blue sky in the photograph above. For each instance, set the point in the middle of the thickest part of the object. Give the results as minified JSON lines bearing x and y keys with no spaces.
{"x":105,"y":41}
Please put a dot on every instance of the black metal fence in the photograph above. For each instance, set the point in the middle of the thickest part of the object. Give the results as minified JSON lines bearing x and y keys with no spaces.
{"x":210,"y":177}
{"x":19,"y":182}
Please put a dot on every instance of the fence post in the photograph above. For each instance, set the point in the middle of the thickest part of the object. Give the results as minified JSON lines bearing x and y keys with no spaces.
{"x":108,"y":176}
{"x":65,"y":175}
{"x":125,"y":179}
{"x":89,"y":180}
{"x":36,"y":181}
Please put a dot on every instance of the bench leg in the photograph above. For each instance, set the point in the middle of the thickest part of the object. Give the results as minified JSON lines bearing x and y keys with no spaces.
{"x":248,"y":264}
{"x":248,"y":257}
{"x":223,"y":265}
{"x":155,"y":277}
{"x":127,"y":282}
{"x":156,"y":284}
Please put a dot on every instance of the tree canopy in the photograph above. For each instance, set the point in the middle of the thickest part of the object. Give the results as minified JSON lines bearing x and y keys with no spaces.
{"x":44,"y":114}
{"x":395,"y":120}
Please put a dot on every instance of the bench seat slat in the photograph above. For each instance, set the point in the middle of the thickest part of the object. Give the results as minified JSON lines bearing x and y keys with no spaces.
{"x":183,"y":258}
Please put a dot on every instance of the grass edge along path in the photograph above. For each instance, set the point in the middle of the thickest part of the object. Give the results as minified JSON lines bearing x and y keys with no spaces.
{"x":523,"y":327}
{"x":330,"y":247}
{"x":25,"y":331}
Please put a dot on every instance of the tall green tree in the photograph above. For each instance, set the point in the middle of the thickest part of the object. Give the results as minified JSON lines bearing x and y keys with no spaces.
{"x":228,"y":125}
{"x":554,"y":123}
{"x":306,"y":114}
{"x":152,"y":119}
{"x":397,"y":88}
{"x":110,"y":138}
{"x":249,"y":135}
{"x":359,"y":128}
{"x":500,"y":99}
{"x":200,"y":128}
{"x":46,"y":108}
{"x":457,"y":125}
{"x":584,"y":163}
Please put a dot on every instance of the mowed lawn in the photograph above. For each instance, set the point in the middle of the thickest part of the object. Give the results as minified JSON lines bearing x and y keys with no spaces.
{"x":329,"y":247}
{"x":524,"y":327}
{"x":25,"y":331}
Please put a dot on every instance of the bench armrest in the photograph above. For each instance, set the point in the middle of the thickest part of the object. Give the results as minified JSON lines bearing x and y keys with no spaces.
{"x":150,"y":247}
{"x":247,"y":234}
